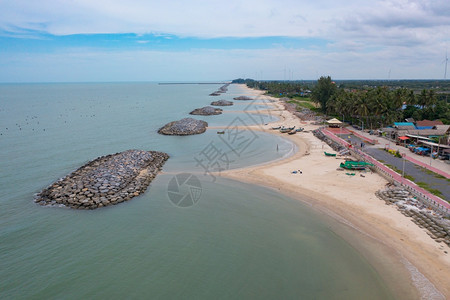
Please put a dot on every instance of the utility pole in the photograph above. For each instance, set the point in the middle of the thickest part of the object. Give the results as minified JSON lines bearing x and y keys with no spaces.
{"x":431,"y":154}
{"x":403,"y":171}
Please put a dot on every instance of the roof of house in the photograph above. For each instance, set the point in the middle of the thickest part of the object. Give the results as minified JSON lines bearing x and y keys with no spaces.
{"x":406,"y":127}
{"x":429,"y":123}
{"x":443,"y":127}
{"x":435,"y":144}
{"x":397,"y":124}
{"x":409,"y":120}
{"x":334,"y":121}
{"x":424,"y":132}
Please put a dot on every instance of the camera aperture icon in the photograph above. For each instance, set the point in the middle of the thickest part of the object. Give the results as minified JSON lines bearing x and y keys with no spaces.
{"x":184,"y":190}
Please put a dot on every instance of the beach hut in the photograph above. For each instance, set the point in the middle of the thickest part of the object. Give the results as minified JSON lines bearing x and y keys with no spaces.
{"x":334,"y":123}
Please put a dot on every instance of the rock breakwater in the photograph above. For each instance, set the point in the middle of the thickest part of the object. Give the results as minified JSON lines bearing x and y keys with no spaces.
{"x":333,"y":144}
{"x":206,"y":111}
{"x":222,"y":103}
{"x":221,"y":90}
{"x":243,"y":98}
{"x":436,"y":226}
{"x":107,"y":180}
{"x":186,"y":126}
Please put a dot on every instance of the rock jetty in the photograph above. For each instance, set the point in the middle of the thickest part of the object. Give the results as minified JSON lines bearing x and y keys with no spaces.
{"x":222,"y":103}
{"x":243,"y":98}
{"x":333,"y":144}
{"x":222,"y":89}
{"x":186,"y":126}
{"x":107,"y":180}
{"x":206,"y":111}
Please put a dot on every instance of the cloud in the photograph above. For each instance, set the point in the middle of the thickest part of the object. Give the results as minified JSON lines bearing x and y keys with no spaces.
{"x":398,"y":23}
{"x":198,"y":18}
{"x":347,"y":39}
{"x":383,"y":22}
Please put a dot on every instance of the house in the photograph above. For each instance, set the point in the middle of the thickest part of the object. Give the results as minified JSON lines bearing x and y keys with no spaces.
{"x":423,"y":134}
{"x":404,"y":125}
{"x":428,"y":123}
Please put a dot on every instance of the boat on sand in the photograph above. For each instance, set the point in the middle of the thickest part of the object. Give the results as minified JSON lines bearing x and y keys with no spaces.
{"x":355,"y":165}
{"x":329,"y":154}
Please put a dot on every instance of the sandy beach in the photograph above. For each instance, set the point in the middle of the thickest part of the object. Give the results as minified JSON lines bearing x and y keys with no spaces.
{"x":391,"y":240}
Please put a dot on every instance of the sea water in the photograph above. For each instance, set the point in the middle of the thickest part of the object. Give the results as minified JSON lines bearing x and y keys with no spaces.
{"x":237,"y":241}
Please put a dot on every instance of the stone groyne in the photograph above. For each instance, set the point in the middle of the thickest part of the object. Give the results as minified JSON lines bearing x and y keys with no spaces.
{"x":333,"y":144}
{"x":107,"y":180}
{"x":221,"y":90}
{"x":243,"y":98}
{"x":206,"y":111}
{"x":186,"y":126}
{"x":222,"y":103}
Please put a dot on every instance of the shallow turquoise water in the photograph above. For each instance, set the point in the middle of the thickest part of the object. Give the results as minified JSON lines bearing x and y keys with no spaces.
{"x":238,"y":241}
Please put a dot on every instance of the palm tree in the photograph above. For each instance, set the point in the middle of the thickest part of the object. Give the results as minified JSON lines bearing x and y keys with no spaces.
{"x":422,"y":98}
{"x":411,"y":98}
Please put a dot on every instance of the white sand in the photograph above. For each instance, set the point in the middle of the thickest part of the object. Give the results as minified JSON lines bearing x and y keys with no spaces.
{"x":351,"y":200}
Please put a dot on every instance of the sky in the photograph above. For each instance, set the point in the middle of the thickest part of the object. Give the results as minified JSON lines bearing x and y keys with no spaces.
{"x":208,"y":40}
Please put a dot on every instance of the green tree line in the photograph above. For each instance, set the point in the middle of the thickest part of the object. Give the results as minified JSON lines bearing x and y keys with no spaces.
{"x":379,"y":106}
{"x":278,"y":88}
{"x":374,"y":106}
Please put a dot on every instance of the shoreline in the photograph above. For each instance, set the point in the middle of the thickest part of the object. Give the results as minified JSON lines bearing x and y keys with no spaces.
{"x":403,"y":250}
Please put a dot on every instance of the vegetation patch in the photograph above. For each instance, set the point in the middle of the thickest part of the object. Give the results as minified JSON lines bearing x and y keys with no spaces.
{"x":427,"y":187}
{"x":409,"y":177}
{"x":436,"y":175}
{"x":393,"y":152}
{"x":302,"y":104}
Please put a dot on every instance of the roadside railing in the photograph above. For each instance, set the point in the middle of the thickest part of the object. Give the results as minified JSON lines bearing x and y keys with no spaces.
{"x":426,"y":197}
{"x":370,"y":141}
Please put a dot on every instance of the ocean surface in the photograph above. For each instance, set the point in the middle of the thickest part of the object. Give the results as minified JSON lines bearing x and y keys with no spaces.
{"x":237,"y":241}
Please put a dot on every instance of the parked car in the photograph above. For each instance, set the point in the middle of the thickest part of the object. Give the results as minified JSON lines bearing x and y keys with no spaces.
{"x":444,"y":156}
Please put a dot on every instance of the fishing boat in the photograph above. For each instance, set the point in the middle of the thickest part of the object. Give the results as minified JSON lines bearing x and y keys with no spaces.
{"x":300,"y":129}
{"x":276,"y":128}
{"x":221,"y":132}
{"x":329,"y":154}
{"x":286,"y":129}
{"x":355,"y":165}
{"x":292,"y":132}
